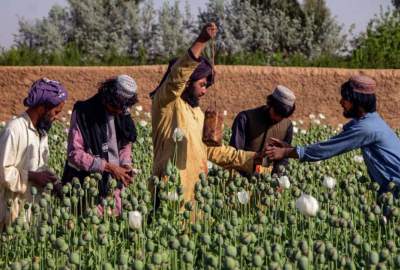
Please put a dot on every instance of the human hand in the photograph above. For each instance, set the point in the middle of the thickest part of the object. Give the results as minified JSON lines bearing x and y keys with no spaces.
{"x":121,"y":173}
{"x":41,"y":178}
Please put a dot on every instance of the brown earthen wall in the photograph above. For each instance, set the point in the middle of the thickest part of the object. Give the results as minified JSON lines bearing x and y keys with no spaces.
{"x":237,"y":87}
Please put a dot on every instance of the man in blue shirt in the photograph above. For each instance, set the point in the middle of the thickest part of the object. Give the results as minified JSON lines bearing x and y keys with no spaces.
{"x":367,"y":130}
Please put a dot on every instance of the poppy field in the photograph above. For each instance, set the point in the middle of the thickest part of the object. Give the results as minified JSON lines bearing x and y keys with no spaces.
{"x":323,"y":215}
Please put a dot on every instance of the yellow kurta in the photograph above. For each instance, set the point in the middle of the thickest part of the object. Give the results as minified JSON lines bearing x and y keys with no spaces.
{"x":169,"y":111}
{"x":21,"y":150}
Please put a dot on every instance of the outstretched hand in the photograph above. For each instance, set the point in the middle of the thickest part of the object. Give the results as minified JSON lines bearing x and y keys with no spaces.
{"x":278,"y":153}
{"x":277,"y":143}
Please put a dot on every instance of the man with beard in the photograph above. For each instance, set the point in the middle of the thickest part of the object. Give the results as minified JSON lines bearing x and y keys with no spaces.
{"x":101,"y":136}
{"x":252,"y":129}
{"x":175,"y":106}
{"x":24,"y":151}
{"x":367,"y":130}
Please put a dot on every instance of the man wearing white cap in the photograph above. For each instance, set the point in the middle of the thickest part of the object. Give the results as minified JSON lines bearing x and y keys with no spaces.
{"x":366,"y":130}
{"x":252,"y":129}
{"x":101,"y":134}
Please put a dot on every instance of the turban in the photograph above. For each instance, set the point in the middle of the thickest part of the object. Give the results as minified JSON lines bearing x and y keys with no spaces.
{"x":45,"y":92}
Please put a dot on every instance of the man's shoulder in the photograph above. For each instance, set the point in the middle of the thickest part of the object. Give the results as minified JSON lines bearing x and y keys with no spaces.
{"x":15,"y":126}
{"x":250,"y":112}
{"x":17,"y":123}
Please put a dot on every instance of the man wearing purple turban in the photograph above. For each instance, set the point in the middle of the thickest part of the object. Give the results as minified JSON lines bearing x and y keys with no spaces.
{"x":24,"y":149}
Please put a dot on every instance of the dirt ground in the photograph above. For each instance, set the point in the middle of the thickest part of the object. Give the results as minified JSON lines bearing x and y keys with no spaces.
{"x":237,"y":87}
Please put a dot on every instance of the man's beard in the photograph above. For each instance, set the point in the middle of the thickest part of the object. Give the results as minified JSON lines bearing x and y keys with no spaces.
{"x":350,"y":113}
{"x":44,"y":123}
{"x":189,"y":96}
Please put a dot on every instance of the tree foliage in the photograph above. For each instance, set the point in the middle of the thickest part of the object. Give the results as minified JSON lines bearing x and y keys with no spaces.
{"x":126,"y":32}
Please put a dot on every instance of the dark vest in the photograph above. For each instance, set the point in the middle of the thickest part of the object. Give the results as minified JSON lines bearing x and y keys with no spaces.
{"x":259,"y":128}
{"x":91,"y":119}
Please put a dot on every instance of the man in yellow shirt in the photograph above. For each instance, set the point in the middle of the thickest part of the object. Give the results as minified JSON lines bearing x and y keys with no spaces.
{"x":175,"y":104}
{"x":24,"y":150}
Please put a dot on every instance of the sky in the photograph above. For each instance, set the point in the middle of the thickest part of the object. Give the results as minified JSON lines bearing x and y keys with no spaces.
{"x":347,"y":12}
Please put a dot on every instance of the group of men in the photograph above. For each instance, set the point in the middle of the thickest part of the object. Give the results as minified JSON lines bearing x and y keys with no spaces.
{"x":102,"y":132}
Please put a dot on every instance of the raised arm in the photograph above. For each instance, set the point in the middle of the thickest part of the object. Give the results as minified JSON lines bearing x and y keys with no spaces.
{"x":181,"y":71}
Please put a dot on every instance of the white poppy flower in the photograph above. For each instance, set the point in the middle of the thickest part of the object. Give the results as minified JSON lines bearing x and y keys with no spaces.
{"x":142,"y":123}
{"x":137,"y":113}
{"x":329,"y":182}
{"x":316,"y":121}
{"x":135,"y":171}
{"x":307,"y":205}
{"x":209,"y":165}
{"x":312,"y":116}
{"x":243,"y":197}
{"x":135,"y":219}
{"x":64,"y":119}
{"x":225,"y":113}
{"x":384,"y":219}
{"x":301,"y":122}
{"x":173,"y":196}
{"x":178,"y":135}
{"x":340,"y":126}
{"x":321,"y":116}
{"x":295,"y":129}
{"x":147,"y":114}
{"x":139,"y":108}
{"x":358,"y":159}
{"x":303,"y":131}
{"x":294,"y":123}
{"x":69,"y":112}
{"x":284,"y":182}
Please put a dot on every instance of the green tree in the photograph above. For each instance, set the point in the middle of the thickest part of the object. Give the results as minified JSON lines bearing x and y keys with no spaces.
{"x":379,"y":46}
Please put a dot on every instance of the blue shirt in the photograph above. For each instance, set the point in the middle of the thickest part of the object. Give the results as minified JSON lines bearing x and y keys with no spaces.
{"x":379,"y":144}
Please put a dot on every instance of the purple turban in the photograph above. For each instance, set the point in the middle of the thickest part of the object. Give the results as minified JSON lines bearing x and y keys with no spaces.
{"x":203,"y":70}
{"x":45,"y":92}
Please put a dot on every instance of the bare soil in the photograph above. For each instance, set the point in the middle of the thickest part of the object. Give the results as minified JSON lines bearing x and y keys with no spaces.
{"x":237,"y":87}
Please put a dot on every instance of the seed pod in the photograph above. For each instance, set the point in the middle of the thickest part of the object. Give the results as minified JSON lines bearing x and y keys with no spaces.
{"x":230,"y":263}
{"x":184,"y":240}
{"x":138,"y":265}
{"x":303,"y":263}
{"x":34,"y":190}
{"x":212,"y":261}
{"x":107,"y":266}
{"x":206,"y":239}
{"x":231,"y":251}
{"x":188,"y":257}
{"x":122,"y":259}
{"x":74,"y":258}
{"x":373,"y":258}
{"x":156,"y":259}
